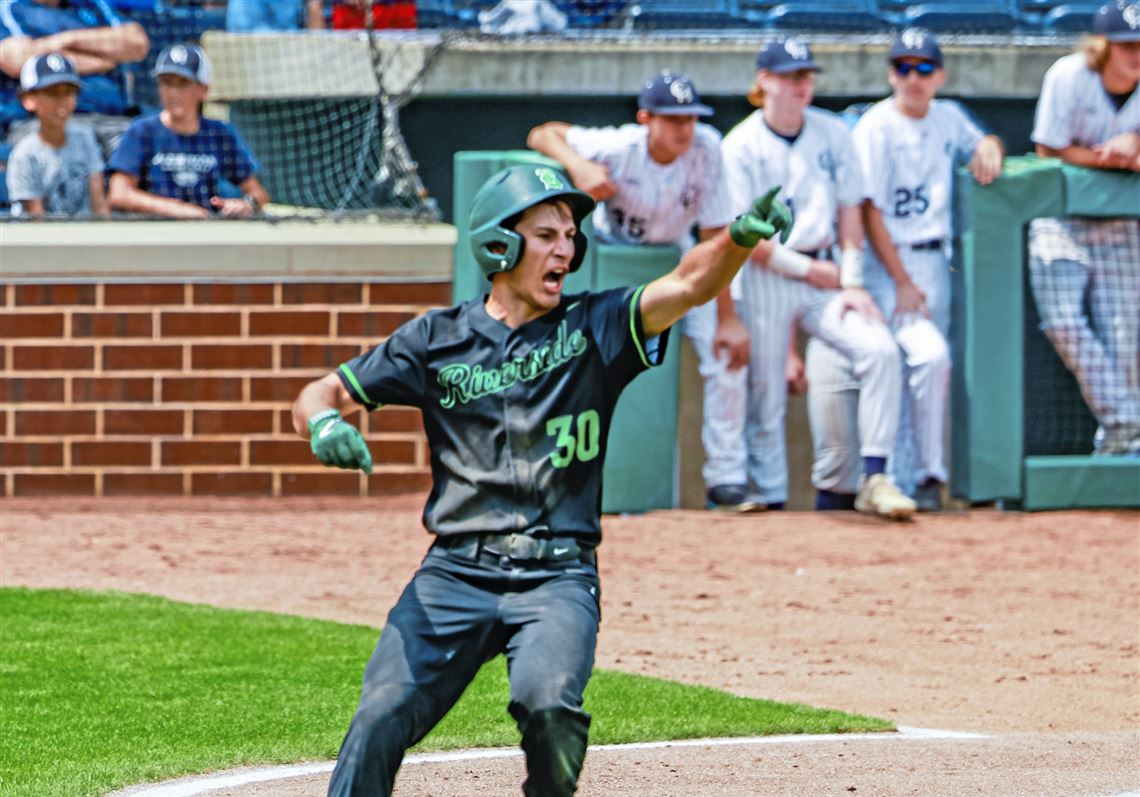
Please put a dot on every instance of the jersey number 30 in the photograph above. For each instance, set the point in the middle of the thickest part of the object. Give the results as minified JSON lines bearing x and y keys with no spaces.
{"x":584,"y":445}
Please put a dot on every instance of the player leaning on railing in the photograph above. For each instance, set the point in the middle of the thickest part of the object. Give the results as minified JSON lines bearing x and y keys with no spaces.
{"x":1089,"y":115}
{"x":517,"y":388}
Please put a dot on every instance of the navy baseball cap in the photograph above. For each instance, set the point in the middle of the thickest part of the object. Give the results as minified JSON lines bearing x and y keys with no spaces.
{"x":49,"y":69}
{"x":1118,"y":21}
{"x":786,"y":55}
{"x":672,"y":95}
{"x":187,"y":60}
{"x":916,"y":43}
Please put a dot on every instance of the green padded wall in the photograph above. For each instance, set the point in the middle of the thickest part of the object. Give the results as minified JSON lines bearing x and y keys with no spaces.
{"x":988,"y":429}
{"x":641,"y":459}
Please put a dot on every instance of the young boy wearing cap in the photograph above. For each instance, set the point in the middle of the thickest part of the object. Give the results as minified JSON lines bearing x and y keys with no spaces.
{"x":655,"y":180}
{"x":1089,"y":115}
{"x":908,"y":145}
{"x":57,"y":171}
{"x":177,"y":163}
{"x":809,"y":152}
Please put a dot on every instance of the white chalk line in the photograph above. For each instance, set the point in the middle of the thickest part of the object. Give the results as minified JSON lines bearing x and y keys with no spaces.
{"x":192,"y":787}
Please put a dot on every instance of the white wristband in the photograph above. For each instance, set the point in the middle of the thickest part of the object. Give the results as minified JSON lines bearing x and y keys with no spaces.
{"x":851,"y":268}
{"x":789,"y":262}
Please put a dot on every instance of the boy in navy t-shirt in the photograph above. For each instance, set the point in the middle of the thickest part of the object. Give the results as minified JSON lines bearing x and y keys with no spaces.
{"x":177,"y":163}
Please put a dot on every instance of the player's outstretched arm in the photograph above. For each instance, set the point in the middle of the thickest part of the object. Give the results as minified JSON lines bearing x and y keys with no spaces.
{"x":317,"y":416}
{"x":709,"y":267}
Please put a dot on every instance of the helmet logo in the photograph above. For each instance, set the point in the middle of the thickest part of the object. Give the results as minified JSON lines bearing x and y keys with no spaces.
{"x":179,"y":54}
{"x":913,"y":39}
{"x":681,"y":91}
{"x":549,"y":179}
{"x":56,"y":63}
{"x":796,"y":49}
{"x":1132,"y":16}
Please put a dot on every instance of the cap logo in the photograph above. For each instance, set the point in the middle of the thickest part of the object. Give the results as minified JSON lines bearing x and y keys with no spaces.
{"x":56,"y":63}
{"x":178,"y":54}
{"x":913,"y":39}
{"x":796,"y":49}
{"x":1131,"y":15}
{"x":682,"y":92}
{"x":549,"y":179}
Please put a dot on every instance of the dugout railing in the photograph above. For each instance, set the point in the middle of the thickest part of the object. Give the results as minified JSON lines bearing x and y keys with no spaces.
{"x":1009,"y":389}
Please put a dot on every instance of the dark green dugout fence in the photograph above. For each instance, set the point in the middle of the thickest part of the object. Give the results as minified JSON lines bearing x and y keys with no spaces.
{"x":998,"y":427}
{"x":641,"y":471}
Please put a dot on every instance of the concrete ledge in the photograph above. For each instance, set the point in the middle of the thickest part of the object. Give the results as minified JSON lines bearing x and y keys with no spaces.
{"x":234,"y":249}
{"x":327,"y":64}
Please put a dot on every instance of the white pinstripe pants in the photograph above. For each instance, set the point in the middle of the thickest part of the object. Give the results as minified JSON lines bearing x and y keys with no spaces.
{"x":769,"y":304}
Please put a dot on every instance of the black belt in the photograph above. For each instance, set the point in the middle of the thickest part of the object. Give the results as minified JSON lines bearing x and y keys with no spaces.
{"x":925,"y":246}
{"x":818,"y":254}
{"x":519,"y":547}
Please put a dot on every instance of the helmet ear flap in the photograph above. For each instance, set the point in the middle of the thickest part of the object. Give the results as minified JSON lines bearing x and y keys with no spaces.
{"x":492,"y":262}
{"x":579,"y":250}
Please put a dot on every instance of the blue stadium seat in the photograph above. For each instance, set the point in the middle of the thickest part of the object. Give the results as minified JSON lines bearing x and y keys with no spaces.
{"x":686,"y":14}
{"x":592,"y":13}
{"x":1069,"y":18}
{"x":465,"y":13}
{"x":826,"y":15}
{"x":964,"y":16}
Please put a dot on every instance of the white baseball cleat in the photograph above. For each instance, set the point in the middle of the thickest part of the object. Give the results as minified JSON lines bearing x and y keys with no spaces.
{"x":879,"y":496}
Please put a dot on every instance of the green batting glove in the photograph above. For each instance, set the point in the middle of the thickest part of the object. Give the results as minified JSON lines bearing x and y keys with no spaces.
{"x":765,"y":218}
{"x":338,"y":443}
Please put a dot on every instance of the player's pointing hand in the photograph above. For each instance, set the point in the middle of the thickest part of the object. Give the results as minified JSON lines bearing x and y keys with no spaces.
{"x":765,"y":218}
{"x":338,"y":443}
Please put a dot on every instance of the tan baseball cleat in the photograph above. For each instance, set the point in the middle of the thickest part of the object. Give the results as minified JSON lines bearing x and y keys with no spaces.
{"x":879,"y":496}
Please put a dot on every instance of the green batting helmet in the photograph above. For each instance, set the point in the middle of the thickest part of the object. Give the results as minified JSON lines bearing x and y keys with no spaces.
{"x":510,"y":192}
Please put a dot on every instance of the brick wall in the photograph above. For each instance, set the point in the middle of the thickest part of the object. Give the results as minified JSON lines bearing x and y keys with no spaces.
{"x":185,"y":388}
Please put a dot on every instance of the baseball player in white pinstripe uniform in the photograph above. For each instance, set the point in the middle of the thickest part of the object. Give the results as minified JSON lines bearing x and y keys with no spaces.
{"x":1089,"y":115}
{"x":810,"y":153}
{"x":656,"y":180}
{"x":908,"y":145}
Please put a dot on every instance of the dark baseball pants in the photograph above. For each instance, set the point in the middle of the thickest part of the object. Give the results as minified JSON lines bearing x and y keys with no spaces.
{"x":462,"y":608}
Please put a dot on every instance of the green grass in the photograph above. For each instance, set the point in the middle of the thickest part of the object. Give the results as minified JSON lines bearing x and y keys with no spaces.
{"x":100,"y":690}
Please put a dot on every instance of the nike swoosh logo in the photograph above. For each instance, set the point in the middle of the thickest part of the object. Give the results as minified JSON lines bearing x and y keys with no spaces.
{"x":328,"y":428}
{"x":560,"y":551}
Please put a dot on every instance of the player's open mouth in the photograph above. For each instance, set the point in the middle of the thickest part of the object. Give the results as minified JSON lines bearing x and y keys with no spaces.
{"x":552,"y":280}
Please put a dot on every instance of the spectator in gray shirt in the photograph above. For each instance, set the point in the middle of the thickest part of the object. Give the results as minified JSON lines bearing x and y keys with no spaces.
{"x":58,"y":170}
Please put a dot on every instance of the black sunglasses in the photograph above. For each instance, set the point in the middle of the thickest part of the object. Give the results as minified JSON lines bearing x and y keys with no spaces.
{"x":924,"y":68}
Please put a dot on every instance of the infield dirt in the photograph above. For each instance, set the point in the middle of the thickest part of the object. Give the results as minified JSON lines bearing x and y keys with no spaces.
{"x":1024,"y":627}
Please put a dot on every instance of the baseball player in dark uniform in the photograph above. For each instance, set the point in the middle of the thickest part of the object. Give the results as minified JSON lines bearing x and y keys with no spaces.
{"x":517,"y":389}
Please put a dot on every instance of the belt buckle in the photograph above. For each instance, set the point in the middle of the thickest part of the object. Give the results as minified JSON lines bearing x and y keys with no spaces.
{"x":523,"y":547}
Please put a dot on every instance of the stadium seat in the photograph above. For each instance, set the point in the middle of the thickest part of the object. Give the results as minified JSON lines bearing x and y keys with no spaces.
{"x":685,"y":14}
{"x":826,"y":15}
{"x":592,"y":13}
{"x":964,"y":16}
{"x":1069,"y":18}
{"x":445,"y":14}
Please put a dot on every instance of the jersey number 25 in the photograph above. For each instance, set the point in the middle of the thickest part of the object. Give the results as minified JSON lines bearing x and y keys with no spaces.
{"x":908,"y":202}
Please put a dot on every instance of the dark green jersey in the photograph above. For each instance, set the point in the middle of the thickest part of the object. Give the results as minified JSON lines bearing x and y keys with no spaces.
{"x":516,"y":419}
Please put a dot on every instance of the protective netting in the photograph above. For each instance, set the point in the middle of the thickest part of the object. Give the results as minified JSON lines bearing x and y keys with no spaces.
{"x":322,"y":114}
{"x":1082,"y":330}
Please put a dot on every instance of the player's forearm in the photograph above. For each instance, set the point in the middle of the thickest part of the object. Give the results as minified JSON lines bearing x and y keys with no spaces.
{"x":120,"y":44}
{"x":1074,"y":154}
{"x":882,"y":244}
{"x":324,"y":394}
{"x":253,"y":188}
{"x":134,"y":200}
{"x":704,"y":272}
{"x":99,"y":205}
{"x":33,"y":207}
{"x":314,"y":15}
{"x":550,"y":140}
